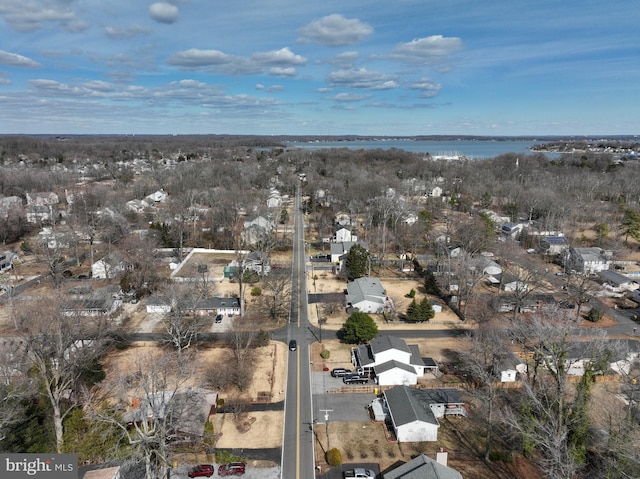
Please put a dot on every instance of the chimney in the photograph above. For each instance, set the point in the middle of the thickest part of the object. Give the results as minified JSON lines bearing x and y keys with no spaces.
{"x":441,"y":456}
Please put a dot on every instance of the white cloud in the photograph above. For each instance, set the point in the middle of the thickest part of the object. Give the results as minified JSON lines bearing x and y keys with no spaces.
{"x":283,"y":71}
{"x":284,"y":56}
{"x":345,"y":60}
{"x":362,"y":79}
{"x":15,"y":60}
{"x":164,"y":12}
{"x":120,"y":33}
{"x":195,"y":58}
{"x":427,"y":86}
{"x":276,"y":62}
{"x":428,"y":50}
{"x":4,"y":80}
{"x":350,"y":97}
{"x":29,"y":15}
{"x":335,"y":30}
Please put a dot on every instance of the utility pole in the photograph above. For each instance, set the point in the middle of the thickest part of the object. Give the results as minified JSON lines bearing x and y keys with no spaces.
{"x":326,"y":425}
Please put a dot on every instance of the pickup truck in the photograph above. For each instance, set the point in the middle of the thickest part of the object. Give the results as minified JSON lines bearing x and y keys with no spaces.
{"x":359,"y":472}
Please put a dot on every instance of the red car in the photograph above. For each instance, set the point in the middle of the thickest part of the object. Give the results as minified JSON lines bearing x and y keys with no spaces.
{"x":203,"y":470}
{"x":231,"y":469}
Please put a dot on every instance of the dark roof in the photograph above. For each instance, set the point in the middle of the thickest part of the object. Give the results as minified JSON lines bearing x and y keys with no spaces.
{"x":555,"y":240}
{"x":393,"y":364}
{"x":408,"y":404}
{"x":422,"y":467}
{"x":384,"y":343}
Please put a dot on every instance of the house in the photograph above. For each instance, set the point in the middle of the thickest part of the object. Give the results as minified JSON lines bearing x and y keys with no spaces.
{"x":339,"y":252}
{"x":511,"y":229}
{"x":6,"y":260}
{"x":507,"y":368}
{"x":423,"y":467}
{"x":368,"y":295}
{"x":410,"y":219}
{"x":217,"y":305}
{"x":437,"y":307}
{"x":257,"y":230}
{"x":343,"y":234}
{"x":485,"y":266}
{"x":108,"y":266}
{"x":391,"y":359}
{"x":586,"y":260}
{"x":275,"y":199}
{"x":554,"y":245}
{"x":156,"y":197}
{"x":342,"y":219}
{"x":39,"y":213}
{"x":511,"y":283}
{"x":434,"y":192}
{"x":617,"y":282}
{"x":257,"y":261}
{"x":92,"y":306}
{"x":622,"y":356}
{"x":413,"y":413}
{"x":189,"y":409}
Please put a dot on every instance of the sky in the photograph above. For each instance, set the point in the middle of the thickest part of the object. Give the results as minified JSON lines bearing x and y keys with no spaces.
{"x":293,"y":67}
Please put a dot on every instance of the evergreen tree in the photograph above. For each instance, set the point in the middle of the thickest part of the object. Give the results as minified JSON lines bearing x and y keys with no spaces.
{"x":357,"y":262}
{"x":359,"y":328}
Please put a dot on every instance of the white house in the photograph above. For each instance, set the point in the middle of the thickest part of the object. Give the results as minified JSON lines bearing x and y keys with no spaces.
{"x":507,"y":368}
{"x":510,"y":283}
{"x":275,"y":199}
{"x":342,"y":219}
{"x":414,"y":413}
{"x":368,"y":296}
{"x":343,"y":234}
{"x":156,"y":197}
{"x":617,"y":282}
{"x":485,"y":266}
{"x":553,"y":245}
{"x":6,"y":260}
{"x":109,"y":266}
{"x":391,"y":359}
{"x":434,"y":192}
{"x":586,"y":260}
{"x":258,"y":261}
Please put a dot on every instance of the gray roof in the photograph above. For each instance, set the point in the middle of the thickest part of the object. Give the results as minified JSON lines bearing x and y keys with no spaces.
{"x":384,"y":343}
{"x":423,"y":467}
{"x":614,"y":278}
{"x":407,"y":405}
{"x":555,"y":240}
{"x":393,"y":364}
{"x":365,"y":289}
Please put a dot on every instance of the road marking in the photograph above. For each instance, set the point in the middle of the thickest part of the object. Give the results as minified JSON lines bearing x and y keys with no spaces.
{"x":298,"y":439}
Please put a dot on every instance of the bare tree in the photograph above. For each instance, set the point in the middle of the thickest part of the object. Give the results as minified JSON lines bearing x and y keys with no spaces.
{"x":182,"y":322}
{"x":59,"y":346}
{"x":481,"y":361}
{"x":276,"y":294}
{"x":547,"y":415}
{"x":158,"y":381}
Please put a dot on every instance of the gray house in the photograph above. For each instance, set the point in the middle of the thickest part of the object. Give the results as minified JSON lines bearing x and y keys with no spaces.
{"x":368,"y":296}
{"x":423,"y":467}
{"x":414,"y":413}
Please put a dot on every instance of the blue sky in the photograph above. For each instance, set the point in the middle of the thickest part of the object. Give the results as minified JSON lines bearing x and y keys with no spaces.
{"x":401,"y":67}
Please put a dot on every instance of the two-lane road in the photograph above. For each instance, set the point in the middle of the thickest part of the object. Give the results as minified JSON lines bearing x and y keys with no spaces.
{"x":297,"y":451}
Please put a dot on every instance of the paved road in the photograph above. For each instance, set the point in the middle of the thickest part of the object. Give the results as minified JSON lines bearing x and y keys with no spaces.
{"x":298,"y":459}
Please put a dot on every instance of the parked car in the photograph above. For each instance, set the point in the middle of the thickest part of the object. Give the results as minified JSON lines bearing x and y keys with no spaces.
{"x":293,"y":345}
{"x":340,"y":372}
{"x":355,"y":379}
{"x":359,"y":472}
{"x":218,"y":318}
{"x":231,"y":469}
{"x":202,"y":470}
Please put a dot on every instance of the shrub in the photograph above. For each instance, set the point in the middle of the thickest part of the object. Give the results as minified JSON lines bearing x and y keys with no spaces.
{"x":334,"y":457}
{"x":256,"y":291}
{"x":325,"y":354}
{"x":412,"y":293}
{"x":594,"y":315}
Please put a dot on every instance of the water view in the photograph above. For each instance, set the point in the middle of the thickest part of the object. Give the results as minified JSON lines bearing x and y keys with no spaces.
{"x":472,"y":149}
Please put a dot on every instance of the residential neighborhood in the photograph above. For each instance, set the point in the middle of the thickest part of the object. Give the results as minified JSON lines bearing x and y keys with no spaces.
{"x":170,"y":308}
